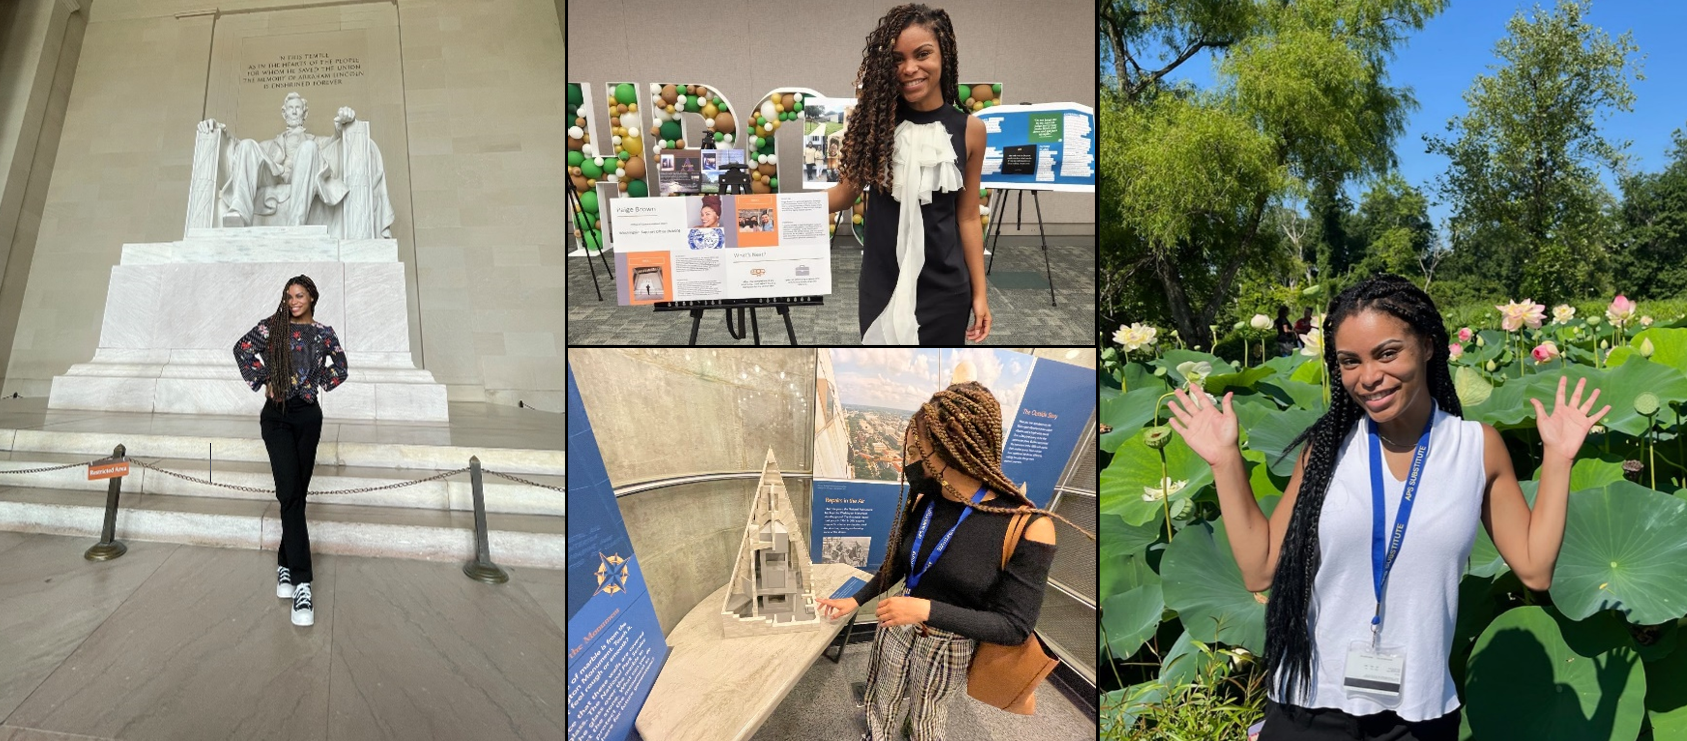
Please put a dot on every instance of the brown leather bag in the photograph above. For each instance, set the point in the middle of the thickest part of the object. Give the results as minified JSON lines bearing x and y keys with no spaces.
{"x":1007,"y":676}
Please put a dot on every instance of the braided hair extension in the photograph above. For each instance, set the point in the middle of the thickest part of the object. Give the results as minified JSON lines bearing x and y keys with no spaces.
{"x":279,"y":355}
{"x":1288,"y":641}
{"x":965,"y":423}
{"x":871,"y":134}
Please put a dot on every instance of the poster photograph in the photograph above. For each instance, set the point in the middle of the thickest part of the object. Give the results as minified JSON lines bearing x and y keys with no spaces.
{"x":824,"y":122}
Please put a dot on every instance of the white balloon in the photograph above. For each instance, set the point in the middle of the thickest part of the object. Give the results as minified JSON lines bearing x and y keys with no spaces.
{"x":575,"y":132}
{"x":767,"y":126}
{"x":709,"y":122}
{"x":767,"y":109}
{"x":587,"y":149}
{"x":631,"y":121}
{"x":655,"y":87}
{"x":761,"y":159}
{"x":620,"y":172}
{"x":679,"y":102}
{"x":615,"y":139}
{"x":597,"y":161}
{"x":796,"y":97}
{"x":773,"y":159}
{"x":608,"y":177}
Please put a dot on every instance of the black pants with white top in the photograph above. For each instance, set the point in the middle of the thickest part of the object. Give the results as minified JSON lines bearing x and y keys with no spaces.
{"x":290,"y":436}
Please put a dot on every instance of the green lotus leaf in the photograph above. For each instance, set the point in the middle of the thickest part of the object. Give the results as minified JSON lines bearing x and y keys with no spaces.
{"x":1127,"y":413}
{"x":1120,"y":708}
{"x":1204,"y":585}
{"x":1666,"y":694}
{"x":1535,"y":675}
{"x":1669,"y":347}
{"x":1120,"y":539}
{"x":1472,"y":388}
{"x":1476,"y":610}
{"x":1618,"y":387}
{"x":1217,"y":383}
{"x":1120,"y":575}
{"x":1131,"y":619}
{"x":1286,"y":364}
{"x":1140,"y":376}
{"x":1590,"y":473}
{"x":1293,"y":393}
{"x":1136,"y":467}
{"x":1259,"y":476}
{"x":1485,"y":561}
{"x":1310,"y":372}
{"x":1274,"y":434}
{"x":1182,"y":664}
{"x":1656,"y":642}
{"x":1625,"y":549}
{"x":1506,"y":407}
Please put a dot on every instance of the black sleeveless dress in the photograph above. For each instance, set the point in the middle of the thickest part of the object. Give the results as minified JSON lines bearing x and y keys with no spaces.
{"x":943,"y":298}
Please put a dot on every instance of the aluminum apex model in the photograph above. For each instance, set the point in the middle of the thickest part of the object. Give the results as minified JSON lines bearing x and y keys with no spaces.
{"x":772,"y":586}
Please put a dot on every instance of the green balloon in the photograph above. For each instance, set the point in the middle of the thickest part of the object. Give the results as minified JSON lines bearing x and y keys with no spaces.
{"x":591,"y":169}
{"x":575,"y":158}
{"x":962,"y":93}
{"x":624,"y":156}
{"x":719,"y":136}
{"x":691,"y":104}
{"x":996,"y":88}
{"x":798,"y":105}
{"x":574,"y":96}
{"x":637,"y":189}
{"x":755,"y":142}
{"x":773,"y":183}
{"x":624,"y":93}
{"x":588,"y":201}
{"x":671,"y":130}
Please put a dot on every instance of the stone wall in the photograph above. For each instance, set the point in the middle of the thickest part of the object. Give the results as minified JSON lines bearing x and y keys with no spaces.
{"x":476,"y":119}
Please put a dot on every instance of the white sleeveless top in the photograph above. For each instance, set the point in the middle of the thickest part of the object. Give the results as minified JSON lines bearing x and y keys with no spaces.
{"x":1422,"y":598}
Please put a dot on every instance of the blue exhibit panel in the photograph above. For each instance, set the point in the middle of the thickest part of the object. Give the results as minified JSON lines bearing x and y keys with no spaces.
{"x":1047,"y":146}
{"x":848,"y":511}
{"x":1058,"y":402}
{"x":615,"y":644}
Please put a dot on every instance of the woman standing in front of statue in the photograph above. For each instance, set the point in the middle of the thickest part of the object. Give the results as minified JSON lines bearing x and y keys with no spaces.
{"x":293,"y":358}
{"x":947,"y":544}
{"x":922,"y":271}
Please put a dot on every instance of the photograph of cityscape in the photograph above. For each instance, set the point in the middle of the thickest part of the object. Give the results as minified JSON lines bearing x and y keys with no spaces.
{"x":879,"y":391}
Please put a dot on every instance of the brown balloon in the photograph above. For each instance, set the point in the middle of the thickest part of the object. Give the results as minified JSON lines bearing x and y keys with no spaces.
{"x":787,"y":101}
{"x":767,"y":170}
{"x":758,"y":187}
{"x":634,"y":167}
{"x":669,"y":94}
{"x":724,"y":123}
{"x":983,"y":92}
{"x":574,"y":144}
{"x":579,"y":183}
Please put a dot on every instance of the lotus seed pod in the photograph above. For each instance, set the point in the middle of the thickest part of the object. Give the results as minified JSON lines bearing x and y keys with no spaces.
{"x":1180,"y":508}
{"x":1157,"y":437}
{"x":1646,"y":404}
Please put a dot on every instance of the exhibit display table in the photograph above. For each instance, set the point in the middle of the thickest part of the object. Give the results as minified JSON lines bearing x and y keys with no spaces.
{"x":714,"y":688}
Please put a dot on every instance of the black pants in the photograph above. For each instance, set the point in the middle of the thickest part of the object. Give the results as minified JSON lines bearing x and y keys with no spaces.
{"x":290,"y":436}
{"x":1295,"y":723}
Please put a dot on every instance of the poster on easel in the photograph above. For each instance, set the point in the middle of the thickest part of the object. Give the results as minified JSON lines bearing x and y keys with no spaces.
{"x":1043,"y":146}
{"x":615,"y":643}
{"x":719,"y":247}
{"x":864,"y":399}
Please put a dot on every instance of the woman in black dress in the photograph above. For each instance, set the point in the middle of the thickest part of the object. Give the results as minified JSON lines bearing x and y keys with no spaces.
{"x":918,"y":156}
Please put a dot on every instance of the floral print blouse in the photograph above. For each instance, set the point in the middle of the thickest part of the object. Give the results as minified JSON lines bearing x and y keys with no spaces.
{"x":319,"y":362}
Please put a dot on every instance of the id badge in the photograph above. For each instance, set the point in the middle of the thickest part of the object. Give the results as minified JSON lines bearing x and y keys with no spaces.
{"x":1375,"y":674}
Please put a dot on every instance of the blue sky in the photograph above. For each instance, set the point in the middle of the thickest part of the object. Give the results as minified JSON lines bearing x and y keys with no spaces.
{"x":1440,"y":62}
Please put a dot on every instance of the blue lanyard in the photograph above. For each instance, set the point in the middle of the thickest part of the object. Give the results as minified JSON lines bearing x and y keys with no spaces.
{"x":1382,"y":563}
{"x":915,"y":573}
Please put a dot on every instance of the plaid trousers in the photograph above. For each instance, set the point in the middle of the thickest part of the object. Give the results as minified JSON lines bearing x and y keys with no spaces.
{"x":918,"y":670}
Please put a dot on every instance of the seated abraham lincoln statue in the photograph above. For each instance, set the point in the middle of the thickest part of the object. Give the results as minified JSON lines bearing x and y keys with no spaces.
{"x":293,"y":179}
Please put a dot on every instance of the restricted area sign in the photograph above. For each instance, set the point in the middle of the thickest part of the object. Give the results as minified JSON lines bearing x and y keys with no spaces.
{"x":108,"y":468}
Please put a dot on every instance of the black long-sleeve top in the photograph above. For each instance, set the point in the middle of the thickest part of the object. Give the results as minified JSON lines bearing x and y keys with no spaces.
{"x":969,"y":593}
{"x":319,"y":362}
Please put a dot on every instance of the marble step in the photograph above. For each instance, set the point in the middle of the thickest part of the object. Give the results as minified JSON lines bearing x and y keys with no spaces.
{"x":430,"y":535}
{"x":452,"y":493}
{"x":390,"y":446}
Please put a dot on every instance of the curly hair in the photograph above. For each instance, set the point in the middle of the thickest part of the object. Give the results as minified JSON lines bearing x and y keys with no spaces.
{"x":871,"y":134}
{"x":1288,"y":638}
{"x":965,"y":425}
{"x":278,"y":355}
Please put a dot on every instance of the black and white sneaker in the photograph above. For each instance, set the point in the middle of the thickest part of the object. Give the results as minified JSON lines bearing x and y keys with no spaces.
{"x":283,"y":583}
{"x":303,"y":614}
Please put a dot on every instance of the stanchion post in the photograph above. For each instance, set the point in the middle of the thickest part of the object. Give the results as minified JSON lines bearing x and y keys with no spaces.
{"x":482,"y":568}
{"x":109,"y":547}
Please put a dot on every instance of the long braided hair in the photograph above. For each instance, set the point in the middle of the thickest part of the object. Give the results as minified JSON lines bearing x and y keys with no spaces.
{"x":871,"y":135}
{"x":965,"y":425}
{"x":279,"y":353}
{"x":1288,"y":640}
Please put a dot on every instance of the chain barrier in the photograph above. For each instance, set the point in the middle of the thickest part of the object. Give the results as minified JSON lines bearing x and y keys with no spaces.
{"x":255,"y":490}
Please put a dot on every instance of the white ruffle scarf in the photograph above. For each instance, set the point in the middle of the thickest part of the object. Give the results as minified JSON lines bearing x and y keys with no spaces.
{"x":923,"y":162}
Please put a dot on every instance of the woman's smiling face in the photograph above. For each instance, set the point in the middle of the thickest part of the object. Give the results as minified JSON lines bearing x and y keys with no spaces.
{"x":710,"y":218}
{"x":1383,"y":362}
{"x":919,"y":65}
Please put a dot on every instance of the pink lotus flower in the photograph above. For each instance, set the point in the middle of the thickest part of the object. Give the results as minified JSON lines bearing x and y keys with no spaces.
{"x":1544,"y":352}
{"x":1464,"y":334}
{"x":1621,"y":309}
{"x":1518,"y":313}
{"x":1454,"y":350}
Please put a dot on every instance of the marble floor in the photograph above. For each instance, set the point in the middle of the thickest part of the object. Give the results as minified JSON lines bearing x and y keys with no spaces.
{"x":472,"y":425}
{"x":178,"y":642}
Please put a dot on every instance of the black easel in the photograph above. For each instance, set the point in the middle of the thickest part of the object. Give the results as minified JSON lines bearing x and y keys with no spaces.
{"x":735,"y":180}
{"x":999,"y":199}
{"x":576,"y":207}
